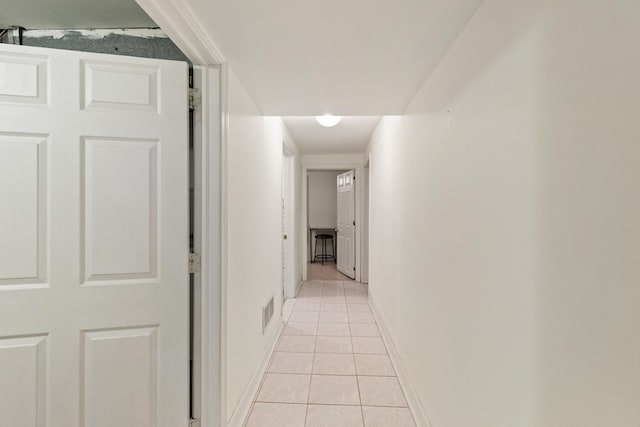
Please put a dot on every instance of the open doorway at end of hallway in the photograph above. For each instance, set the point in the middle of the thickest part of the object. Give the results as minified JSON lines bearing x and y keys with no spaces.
{"x":326,"y":271}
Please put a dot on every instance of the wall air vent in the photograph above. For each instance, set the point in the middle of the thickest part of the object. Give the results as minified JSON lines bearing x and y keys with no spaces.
{"x":267,"y":314}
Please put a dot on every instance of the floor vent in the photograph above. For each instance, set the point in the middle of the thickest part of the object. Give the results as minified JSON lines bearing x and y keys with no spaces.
{"x":267,"y":314}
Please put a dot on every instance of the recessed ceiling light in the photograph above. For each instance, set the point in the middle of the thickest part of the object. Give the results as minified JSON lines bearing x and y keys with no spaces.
{"x":328,"y":120}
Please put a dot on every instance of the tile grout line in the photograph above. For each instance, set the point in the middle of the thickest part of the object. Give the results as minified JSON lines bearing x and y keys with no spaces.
{"x":332,"y":298}
{"x":355,"y":367}
{"x":313,"y":363}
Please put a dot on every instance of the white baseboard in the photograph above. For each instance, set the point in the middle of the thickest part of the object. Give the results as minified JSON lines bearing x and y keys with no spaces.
{"x":244,"y":405}
{"x":415,"y":405}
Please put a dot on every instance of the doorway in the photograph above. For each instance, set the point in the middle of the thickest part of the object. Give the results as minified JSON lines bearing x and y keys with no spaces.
{"x":327,"y":212}
{"x":289,"y":281}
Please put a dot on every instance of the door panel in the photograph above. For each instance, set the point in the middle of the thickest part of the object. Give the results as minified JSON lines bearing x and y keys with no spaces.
{"x":346,"y":223}
{"x":23,"y":388}
{"x":93,"y":240}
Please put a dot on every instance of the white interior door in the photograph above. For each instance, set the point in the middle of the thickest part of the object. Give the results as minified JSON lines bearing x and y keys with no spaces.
{"x":93,"y":240}
{"x":346,"y":224}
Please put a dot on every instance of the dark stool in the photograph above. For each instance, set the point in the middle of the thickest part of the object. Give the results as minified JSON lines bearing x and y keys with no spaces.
{"x":324,"y":256}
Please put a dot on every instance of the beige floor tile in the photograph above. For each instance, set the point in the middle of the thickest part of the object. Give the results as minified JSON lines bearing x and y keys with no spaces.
{"x":277,"y":415}
{"x":333,"y":300}
{"x":355,"y":293}
{"x":334,"y":416}
{"x":301,"y":328}
{"x":309,"y":299}
{"x":312,"y":282}
{"x":330,"y":389}
{"x":333,"y":317}
{"x":354,"y":286}
{"x":333,"y":307}
{"x":374,"y":364}
{"x":297,"y":344}
{"x":334,"y":330}
{"x":387,"y":417}
{"x":286,"y":315}
{"x":291,"y":363}
{"x":333,"y":345}
{"x":357,"y":299}
{"x":309,"y":292}
{"x":368,"y":345}
{"x":381,"y":391}
{"x":304,"y":316}
{"x":307,"y":306}
{"x":334,"y":364}
{"x":332,"y":291}
{"x":364,"y":330}
{"x":358,"y":308}
{"x":361,"y":317}
{"x":289,"y":304}
{"x":284,"y":388}
{"x":328,"y":271}
{"x":332,"y":285}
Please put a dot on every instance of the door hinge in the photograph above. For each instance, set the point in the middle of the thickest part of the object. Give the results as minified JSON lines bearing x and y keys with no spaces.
{"x":11,"y":35}
{"x":354,"y":268}
{"x":195,"y":99}
{"x":194,"y":263}
{"x":194,"y":422}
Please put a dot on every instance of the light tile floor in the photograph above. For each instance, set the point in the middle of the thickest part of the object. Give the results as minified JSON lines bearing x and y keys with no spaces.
{"x":330,"y":367}
{"x":328,"y":271}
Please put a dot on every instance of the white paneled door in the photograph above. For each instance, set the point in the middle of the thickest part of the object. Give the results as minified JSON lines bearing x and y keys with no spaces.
{"x":346,"y":248}
{"x":93,"y":240}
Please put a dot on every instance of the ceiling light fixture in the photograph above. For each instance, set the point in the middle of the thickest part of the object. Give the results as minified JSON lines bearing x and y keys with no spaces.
{"x":328,"y":120}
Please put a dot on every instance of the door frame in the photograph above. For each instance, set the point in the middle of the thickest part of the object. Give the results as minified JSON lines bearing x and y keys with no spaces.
{"x":207,"y":324}
{"x":289,"y":153}
{"x":331,"y":162}
{"x":185,"y":29}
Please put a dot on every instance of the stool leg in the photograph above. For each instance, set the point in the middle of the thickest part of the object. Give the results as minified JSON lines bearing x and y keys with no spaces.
{"x":324,"y":249}
{"x":315,"y":255}
{"x":333,"y":250}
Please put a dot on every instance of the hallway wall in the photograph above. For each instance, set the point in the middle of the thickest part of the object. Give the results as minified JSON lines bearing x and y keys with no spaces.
{"x":253,"y":236}
{"x":323,"y":199}
{"x":505,"y":220}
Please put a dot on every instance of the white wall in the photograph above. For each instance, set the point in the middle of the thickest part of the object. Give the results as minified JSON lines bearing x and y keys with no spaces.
{"x":505,"y":220}
{"x":323,"y":199}
{"x":254,"y":181}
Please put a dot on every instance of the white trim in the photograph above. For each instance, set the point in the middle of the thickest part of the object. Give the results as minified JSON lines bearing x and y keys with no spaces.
{"x":224,"y":208}
{"x":413,"y":401}
{"x":200,"y":245}
{"x":288,"y":190}
{"x":366,"y":189}
{"x":298,"y":288}
{"x":290,"y":151}
{"x":332,"y":162}
{"x":177,"y":19}
{"x":250,"y":392}
{"x":207,"y":305}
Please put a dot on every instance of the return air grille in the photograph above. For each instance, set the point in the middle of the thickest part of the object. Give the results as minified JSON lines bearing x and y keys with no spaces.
{"x":267,"y":314}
